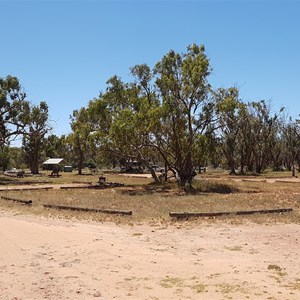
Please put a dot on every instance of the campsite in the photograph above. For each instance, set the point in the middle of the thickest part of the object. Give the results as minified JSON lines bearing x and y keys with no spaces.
{"x":149,"y":150}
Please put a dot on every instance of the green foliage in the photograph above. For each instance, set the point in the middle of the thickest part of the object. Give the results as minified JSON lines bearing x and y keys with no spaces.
{"x":187,"y":108}
{"x":291,"y":142}
{"x":167,"y":115}
{"x":5,"y":157}
{"x":13,"y":108}
{"x":161,"y":116}
{"x":248,"y":132}
{"x":34,"y":133}
{"x":19,"y":117}
{"x":81,"y":139}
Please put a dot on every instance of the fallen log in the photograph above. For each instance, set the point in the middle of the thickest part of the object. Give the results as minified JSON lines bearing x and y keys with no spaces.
{"x":107,"y":211}
{"x":285,"y":181}
{"x":28,"y":202}
{"x":186,"y":215}
{"x":77,"y":187}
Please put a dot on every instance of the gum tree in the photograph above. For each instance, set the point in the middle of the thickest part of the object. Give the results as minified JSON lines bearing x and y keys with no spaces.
{"x":187,"y":107}
{"x":13,"y":108}
{"x":161,"y":115}
{"x":34,"y":133}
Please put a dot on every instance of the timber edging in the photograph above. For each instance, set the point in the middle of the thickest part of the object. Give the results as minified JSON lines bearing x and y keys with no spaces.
{"x":28,"y":202}
{"x":107,"y":211}
{"x":182,"y":215}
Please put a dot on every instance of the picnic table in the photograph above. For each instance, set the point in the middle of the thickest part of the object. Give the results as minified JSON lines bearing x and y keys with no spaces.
{"x":55,"y":172}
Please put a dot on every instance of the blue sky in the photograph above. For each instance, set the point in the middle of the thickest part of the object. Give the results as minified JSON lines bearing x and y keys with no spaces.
{"x":63,"y":52}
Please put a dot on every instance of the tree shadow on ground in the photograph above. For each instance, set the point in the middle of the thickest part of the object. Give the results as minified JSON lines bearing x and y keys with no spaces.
{"x":173,"y":188}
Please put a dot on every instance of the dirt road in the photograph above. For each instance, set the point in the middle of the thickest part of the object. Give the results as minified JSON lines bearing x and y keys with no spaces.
{"x":59,"y":259}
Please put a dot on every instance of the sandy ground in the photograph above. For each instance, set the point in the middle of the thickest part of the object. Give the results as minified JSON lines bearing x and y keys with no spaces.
{"x":42,"y":186}
{"x":60,"y":259}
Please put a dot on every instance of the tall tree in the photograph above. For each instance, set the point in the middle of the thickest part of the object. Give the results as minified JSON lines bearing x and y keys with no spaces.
{"x":11,"y":157}
{"x":53,"y":146}
{"x":187,"y":107}
{"x":162,"y":113}
{"x":291,"y":137}
{"x":4,"y":157}
{"x":263,"y":133}
{"x":228,"y":107}
{"x":13,"y":108}
{"x":80,"y":139}
{"x":34,"y":133}
{"x":125,"y":113}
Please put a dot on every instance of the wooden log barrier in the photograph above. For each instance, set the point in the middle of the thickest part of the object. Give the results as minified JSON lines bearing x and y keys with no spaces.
{"x":77,"y":187}
{"x":106,"y":211}
{"x":285,"y":181}
{"x":28,"y":202}
{"x":186,"y":215}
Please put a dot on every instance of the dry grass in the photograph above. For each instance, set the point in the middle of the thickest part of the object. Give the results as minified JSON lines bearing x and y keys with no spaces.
{"x":152,"y":203}
{"x":45,"y":178}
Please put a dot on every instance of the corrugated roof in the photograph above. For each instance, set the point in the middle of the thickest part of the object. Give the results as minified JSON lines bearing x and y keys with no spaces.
{"x":53,"y":161}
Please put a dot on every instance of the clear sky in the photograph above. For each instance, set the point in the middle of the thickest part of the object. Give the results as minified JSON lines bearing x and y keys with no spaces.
{"x":63,"y":52}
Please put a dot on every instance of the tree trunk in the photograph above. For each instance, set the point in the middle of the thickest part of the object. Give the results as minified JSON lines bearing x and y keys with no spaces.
{"x":80,"y":163}
{"x":185,"y":173}
{"x":293,"y":170}
{"x":152,"y":172}
{"x":166,"y":172}
{"x":34,"y":165}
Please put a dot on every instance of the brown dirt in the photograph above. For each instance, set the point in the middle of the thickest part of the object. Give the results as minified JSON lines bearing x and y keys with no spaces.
{"x":58,"y":259}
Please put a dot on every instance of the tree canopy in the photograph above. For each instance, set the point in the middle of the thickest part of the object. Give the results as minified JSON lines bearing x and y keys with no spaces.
{"x":160,"y":115}
{"x":168,"y":114}
{"x":13,"y":108}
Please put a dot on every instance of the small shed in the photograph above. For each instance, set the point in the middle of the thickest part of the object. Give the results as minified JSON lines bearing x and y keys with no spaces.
{"x":54,"y":163}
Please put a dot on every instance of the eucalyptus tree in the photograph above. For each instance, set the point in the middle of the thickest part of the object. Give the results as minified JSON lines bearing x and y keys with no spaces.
{"x":161,"y":115}
{"x":80,"y":139}
{"x":263,"y":133}
{"x":187,"y":108}
{"x":164,"y":111}
{"x":245,"y":140}
{"x":11,"y":157}
{"x":291,"y":137}
{"x":122,"y":118}
{"x":13,"y":108}
{"x":277,"y":148}
{"x":54,"y":146}
{"x":228,"y":109}
{"x":37,"y":126}
{"x":5,"y":157}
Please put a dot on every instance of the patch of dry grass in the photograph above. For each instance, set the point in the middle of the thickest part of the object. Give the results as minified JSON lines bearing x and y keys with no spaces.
{"x":44,"y":177}
{"x":150,"y":202}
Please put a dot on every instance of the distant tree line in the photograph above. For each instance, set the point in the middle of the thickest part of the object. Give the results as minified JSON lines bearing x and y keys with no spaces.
{"x":168,"y":114}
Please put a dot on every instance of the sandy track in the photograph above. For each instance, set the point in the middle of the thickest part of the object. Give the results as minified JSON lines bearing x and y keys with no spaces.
{"x":57,"y":259}
{"x":43,"y":186}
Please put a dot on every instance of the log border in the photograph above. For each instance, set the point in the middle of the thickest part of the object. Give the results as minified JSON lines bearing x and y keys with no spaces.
{"x":85,"y":209}
{"x":28,"y":202}
{"x":181,"y":215}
